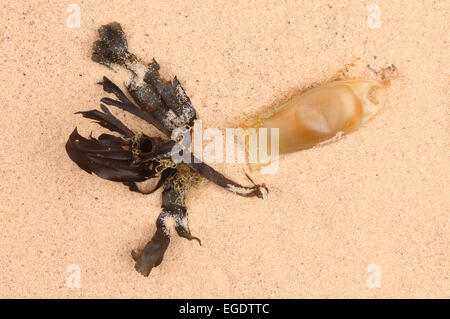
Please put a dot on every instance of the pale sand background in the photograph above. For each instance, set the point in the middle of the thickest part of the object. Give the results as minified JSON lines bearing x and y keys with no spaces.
{"x":379,"y":196}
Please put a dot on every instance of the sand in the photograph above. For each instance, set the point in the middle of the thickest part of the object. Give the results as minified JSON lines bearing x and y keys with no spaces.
{"x":364,"y":217}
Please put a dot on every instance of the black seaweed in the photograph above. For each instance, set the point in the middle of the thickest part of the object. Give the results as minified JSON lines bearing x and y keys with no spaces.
{"x":135,"y":157}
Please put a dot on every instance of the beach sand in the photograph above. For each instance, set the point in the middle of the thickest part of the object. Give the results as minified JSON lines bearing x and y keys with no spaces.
{"x":364,"y":217}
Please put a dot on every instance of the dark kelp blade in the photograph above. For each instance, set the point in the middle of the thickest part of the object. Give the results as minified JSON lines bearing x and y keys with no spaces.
{"x":166,"y":174}
{"x":174,"y":209}
{"x":125,"y":104}
{"x":107,"y":120}
{"x":260,"y":191}
{"x":103,"y":159}
{"x":153,"y":253}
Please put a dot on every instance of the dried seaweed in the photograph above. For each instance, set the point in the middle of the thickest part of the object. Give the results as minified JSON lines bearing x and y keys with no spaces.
{"x":135,"y":157}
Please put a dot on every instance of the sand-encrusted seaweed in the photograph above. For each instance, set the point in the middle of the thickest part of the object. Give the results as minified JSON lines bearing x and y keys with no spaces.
{"x":136,"y":157}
